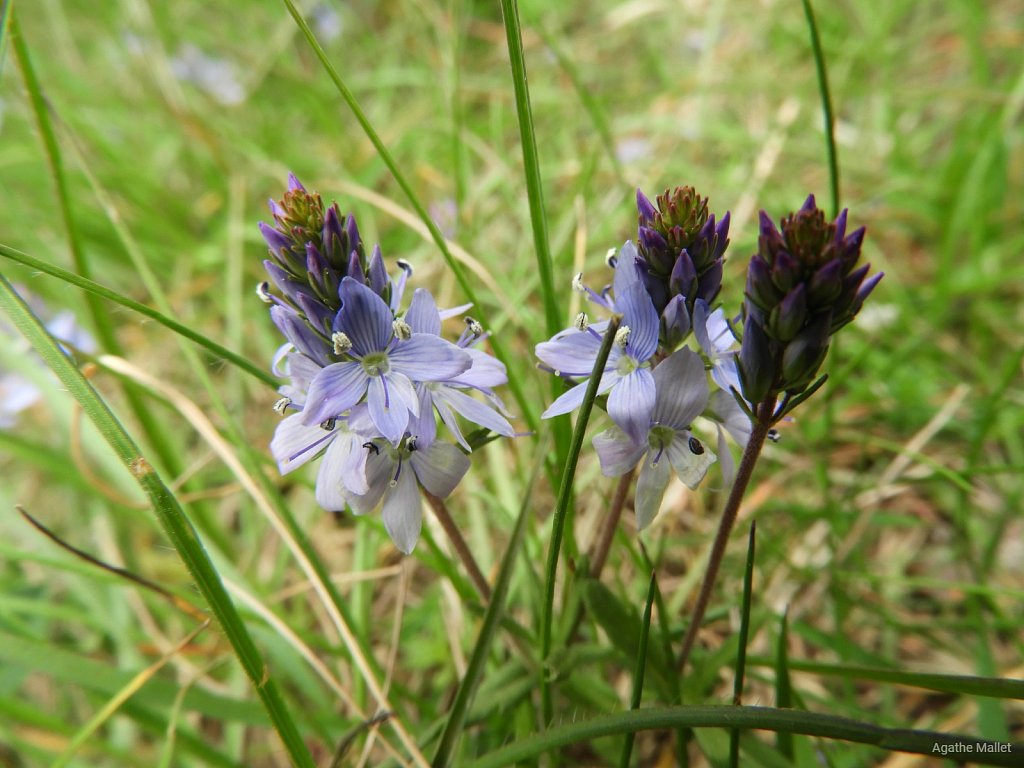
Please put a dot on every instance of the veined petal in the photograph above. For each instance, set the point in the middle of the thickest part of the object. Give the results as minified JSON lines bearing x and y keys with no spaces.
{"x":424,"y":426}
{"x":617,"y":453}
{"x":295,"y":443}
{"x":380,"y":466}
{"x":364,"y":317}
{"x":682,"y":389}
{"x":690,"y":465}
{"x":388,"y":410}
{"x":403,"y":513}
{"x":719,"y":332}
{"x":455,"y":311}
{"x":448,"y":418}
{"x":485,"y":372}
{"x":631,"y":403}
{"x":626,"y":272}
{"x":333,"y":391}
{"x":727,"y":412}
{"x":570,"y":401}
{"x":302,"y":370}
{"x":474,"y":410}
{"x":639,"y":314}
{"x":650,"y":490}
{"x":700,"y":328}
{"x":571,"y":355}
{"x":428,"y":358}
{"x":725,"y":373}
{"x":422,"y":315}
{"x":343,"y":469}
{"x":439,"y":468}
{"x":725,"y":460}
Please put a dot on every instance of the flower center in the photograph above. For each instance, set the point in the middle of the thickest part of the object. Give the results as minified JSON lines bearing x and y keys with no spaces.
{"x":376,"y":364}
{"x":626,"y":365}
{"x":659,"y":438}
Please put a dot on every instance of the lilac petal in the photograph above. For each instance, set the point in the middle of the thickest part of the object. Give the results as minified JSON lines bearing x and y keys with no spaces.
{"x":333,"y":391}
{"x":631,"y":402}
{"x":403,"y":512}
{"x":294,"y":443}
{"x":342,"y":472}
{"x":617,"y":453}
{"x":626,"y":272}
{"x":454,"y":311}
{"x":428,"y":358}
{"x":571,"y":355}
{"x":364,"y":317}
{"x":448,"y":419}
{"x":422,"y":315}
{"x":380,"y":467}
{"x":725,"y":374}
{"x":485,"y":372}
{"x":439,"y":468}
{"x":725,"y":459}
{"x":727,"y":412}
{"x":639,"y":314}
{"x":572,"y":399}
{"x":298,"y":333}
{"x":650,"y":490}
{"x":474,"y":410}
{"x":700,"y":327}
{"x":302,"y":370}
{"x":682,"y":389}
{"x":389,"y":405}
{"x":690,"y":465}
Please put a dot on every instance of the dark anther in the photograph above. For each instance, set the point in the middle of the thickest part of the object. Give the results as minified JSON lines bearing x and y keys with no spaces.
{"x":773,"y":435}
{"x":328,"y":425}
{"x":372,"y":447}
{"x":695,"y":447}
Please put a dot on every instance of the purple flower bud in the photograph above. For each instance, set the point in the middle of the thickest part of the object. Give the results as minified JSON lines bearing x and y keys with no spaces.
{"x":285,"y":283}
{"x":786,"y":271}
{"x":710,"y":282}
{"x":760,"y":290}
{"x":675,"y":322}
{"x":378,"y":274}
{"x":826,"y":284}
{"x":645,"y":208}
{"x":756,"y":362}
{"x":355,"y":268}
{"x":805,"y":353}
{"x":335,"y":242}
{"x":299,"y":334}
{"x":276,"y":242}
{"x":355,"y":242}
{"x":317,"y":315}
{"x":787,"y":318}
{"x":683,"y":281}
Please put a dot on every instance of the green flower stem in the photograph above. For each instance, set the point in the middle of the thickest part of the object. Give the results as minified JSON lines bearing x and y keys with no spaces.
{"x":561,"y":510}
{"x":461,"y":547}
{"x":758,"y":434}
{"x":95,"y":288}
{"x":826,"y":107}
{"x":172,"y":518}
{"x":758,"y":718}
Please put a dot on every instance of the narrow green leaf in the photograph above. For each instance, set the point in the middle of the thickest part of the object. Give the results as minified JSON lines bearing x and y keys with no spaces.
{"x":755,"y":718}
{"x":561,"y":508}
{"x":183,"y":330}
{"x":783,"y":686}
{"x":172,"y":517}
{"x":741,"y":653}
{"x":492,"y":619}
{"x":638,"y":672}
{"x":826,"y":106}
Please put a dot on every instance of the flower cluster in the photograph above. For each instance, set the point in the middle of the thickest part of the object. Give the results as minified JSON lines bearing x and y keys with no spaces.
{"x":803,"y":285}
{"x":654,"y":390}
{"x":366,"y":378}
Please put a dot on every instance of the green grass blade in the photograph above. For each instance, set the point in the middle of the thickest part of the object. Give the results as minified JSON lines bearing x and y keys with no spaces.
{"x":741,"y":653}
{"x":968,"y":685}
{"x":783,"y":686}
{"x":172,"y":517}
{"x":826,"y":106}
{"x":561,"y":509}
{"x":488,"y":630}
{"x":638,"y":672}
{"x":755,"y":718}
{"x":531,"y":166}
{"x":99,"y":290}
{"x":527,"y":406}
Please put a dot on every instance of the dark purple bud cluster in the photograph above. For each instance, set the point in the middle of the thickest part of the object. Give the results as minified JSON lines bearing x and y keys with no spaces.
{"x":803,"y":285}
{"x":681,"y":249}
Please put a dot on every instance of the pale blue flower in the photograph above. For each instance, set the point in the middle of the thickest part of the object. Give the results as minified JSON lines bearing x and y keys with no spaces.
{"x":667,"y":443}
{"x":626,"y":378}
{"x":383,"y":365}
{"x":395,"y":473}
{"x":717,"y":343}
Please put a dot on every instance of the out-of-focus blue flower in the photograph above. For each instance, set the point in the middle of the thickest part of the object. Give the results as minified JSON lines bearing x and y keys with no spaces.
{"x":626,"y":378}
{"x":667,"y":443}
{"x":218,"y":78}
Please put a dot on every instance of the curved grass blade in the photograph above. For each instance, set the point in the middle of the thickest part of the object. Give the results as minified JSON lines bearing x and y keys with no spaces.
{"x":638,"y":672}
{"x":95,"y":288}
{"x":562,"y":507}
{"x":826,"y":106}
{"x":492,"y":619}
{"x":919,"y":742}
{"x":172,"y":517}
